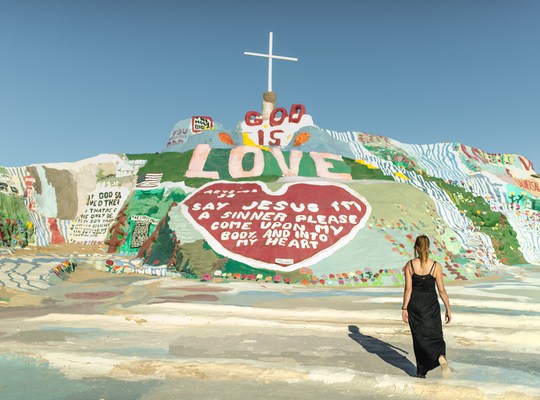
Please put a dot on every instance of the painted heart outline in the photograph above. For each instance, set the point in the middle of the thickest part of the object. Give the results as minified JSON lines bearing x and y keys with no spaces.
{"x":295,"y":226}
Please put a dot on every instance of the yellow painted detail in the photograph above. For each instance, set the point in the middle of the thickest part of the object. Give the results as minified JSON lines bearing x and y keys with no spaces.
{"x":363,"y":162}
{"x":248,"y":142}
{"x":400,"y":175}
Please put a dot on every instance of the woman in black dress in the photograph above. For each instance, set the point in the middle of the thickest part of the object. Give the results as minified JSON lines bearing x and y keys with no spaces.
{"x":422,"y":312}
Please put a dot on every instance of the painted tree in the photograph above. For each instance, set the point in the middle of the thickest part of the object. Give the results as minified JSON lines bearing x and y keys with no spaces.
{"x":160,"y":246}
{"x":117,"y":231}
{"x":163,"y":250}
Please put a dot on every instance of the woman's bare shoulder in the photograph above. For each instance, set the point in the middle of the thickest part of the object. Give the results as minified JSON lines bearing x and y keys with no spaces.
{"x":438,"y":267}
{"x":408,"y":266}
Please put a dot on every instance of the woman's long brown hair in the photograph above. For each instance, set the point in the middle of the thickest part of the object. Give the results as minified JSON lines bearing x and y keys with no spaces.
{"x":421,"y":248}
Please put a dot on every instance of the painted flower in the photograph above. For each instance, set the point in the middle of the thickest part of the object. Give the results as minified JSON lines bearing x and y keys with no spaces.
{"x":259,"y":277}
{"x":322,"y":281}
{"x":306,"y":271}
{"x":110,"y":263}
{"x":277,"y":278}
{"x":206,"y":277}
{"x":236,"y":276}
{"x":268,"y":279}
{"x":287,"y":280}
{"x":218,"y":272}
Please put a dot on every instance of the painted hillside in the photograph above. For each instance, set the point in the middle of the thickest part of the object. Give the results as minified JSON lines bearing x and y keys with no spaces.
{"x":282,"y":199}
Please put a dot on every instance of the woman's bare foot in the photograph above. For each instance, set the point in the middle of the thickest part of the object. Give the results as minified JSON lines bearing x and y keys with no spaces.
{"x":445,"y":369}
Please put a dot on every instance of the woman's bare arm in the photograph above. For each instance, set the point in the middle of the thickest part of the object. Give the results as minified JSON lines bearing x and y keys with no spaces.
{"x":442,"y":292}
{"x":407,"y":271}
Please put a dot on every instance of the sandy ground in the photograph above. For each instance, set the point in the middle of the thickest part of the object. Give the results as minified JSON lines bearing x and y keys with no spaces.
{"x":106,"y":336}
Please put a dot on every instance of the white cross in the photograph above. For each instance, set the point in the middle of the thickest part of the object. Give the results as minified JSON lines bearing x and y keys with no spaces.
{"x":270,"y":56}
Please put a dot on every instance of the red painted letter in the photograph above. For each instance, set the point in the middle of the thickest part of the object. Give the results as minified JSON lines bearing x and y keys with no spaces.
{"x":253,"y":118}
{"x":297,"y":112}
{"x":273,"y":121}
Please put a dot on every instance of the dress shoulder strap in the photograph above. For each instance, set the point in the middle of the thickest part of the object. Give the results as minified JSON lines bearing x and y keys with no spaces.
{"x":412,"y":266}
{"x":433,"y":266}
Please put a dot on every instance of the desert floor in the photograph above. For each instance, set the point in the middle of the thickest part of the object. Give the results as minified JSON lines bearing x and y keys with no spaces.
{"x":108,"y":336}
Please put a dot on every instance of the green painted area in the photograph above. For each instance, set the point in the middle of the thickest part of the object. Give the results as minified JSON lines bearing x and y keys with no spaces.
{"x":173,"y":165}
{"x":338,"y":167}
{"x":154,"y":203}
{"x":16,"y":228}
{"x":359,"y":171}
{"x":148,"y":203}
{"x":197,"y":258}
{"x":395,"y":156}
{"x":12,"y":207}
{"x":492,"y":223}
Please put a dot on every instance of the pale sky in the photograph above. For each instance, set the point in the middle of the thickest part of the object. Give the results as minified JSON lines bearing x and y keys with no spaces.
{"x":80,"y":78}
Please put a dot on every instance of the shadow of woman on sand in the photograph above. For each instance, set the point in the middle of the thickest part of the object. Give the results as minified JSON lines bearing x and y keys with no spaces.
{"x":385,"y":351}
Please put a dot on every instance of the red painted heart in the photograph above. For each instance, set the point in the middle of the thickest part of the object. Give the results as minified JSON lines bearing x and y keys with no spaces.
{"x":296,"y":226}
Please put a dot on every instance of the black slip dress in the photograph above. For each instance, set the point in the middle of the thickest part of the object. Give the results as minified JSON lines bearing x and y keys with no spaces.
{"x":425,"y":322}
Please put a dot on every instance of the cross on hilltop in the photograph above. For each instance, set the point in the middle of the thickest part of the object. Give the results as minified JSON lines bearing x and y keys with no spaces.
{"x":270,"y":57}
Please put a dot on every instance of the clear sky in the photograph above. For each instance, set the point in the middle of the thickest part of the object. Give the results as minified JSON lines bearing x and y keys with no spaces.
{"x":79,"y":78}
